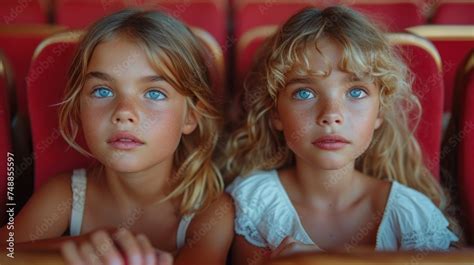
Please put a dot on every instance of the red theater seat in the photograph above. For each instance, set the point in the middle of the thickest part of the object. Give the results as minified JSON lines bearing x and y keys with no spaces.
{"x":19,"y":42}
{"x":458,"y":12}
{"x":210,"y":15}
{"x":394,"y":15}
{"x":428,"y":83}
{"x":453,"y":43}
{"x":23,"y":12}
{"x":465,"y":134}
{"x":425,"y":63}
{"x":5,"y":141}
{"x":47,"y":81}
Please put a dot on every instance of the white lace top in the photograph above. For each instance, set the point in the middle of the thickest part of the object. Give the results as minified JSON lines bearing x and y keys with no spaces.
{"x":265,"y":216}
{"x":79,"y":187}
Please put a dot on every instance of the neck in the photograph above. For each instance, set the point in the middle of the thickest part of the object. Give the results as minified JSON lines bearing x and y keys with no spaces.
{"x":325,"y":188}
{"x":143,"y":188}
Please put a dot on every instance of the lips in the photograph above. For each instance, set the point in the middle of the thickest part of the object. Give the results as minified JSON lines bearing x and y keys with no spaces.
{"x":331,"y":142}
{"x":124,"y":141}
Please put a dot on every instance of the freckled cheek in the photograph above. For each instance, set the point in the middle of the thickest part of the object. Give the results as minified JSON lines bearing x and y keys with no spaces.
{"x":165,"y":126}
{"x":297,"y":125}
{"x":363,"y":126}
{"x":94,"y":123}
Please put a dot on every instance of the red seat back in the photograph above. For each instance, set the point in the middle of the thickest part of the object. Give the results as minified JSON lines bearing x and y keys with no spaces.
{"x":210,"y":15}
{"x":457,"y":12}
{"x":425,"y":63}
{"x":453,"y":43}
{"x":5,"y":139}
{"x":428,"y":85}
{"x":23,"y":12}
{"x":19,"y":42}
{"x":466,"y":147}
{"x":46,"y":89}
{"x":394,"y":15}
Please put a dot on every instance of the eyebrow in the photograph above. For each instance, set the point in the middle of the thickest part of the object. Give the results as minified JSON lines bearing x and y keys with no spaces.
{"x":152,"y":78}
{"x":99,"y":75}
{"x":300,"y":80}
{"x":109,"y":78}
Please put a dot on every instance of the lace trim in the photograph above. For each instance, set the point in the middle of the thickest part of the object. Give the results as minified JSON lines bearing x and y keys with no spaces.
{"x":436,"y":235}
{"x":245,"y":228}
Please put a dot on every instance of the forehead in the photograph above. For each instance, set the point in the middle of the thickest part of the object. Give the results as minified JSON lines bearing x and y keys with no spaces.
{"x":317,"y":57}
{"x":120,"y":56}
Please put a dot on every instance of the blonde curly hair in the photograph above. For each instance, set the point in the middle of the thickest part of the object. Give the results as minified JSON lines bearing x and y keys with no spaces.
{"x":394,"y":153}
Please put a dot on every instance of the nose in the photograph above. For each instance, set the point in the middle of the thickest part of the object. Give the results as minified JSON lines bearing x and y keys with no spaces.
{"x":125,"y":112}
{"x":331,"y":114}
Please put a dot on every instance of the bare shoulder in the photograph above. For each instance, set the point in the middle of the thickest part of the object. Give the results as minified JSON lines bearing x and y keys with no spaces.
{"x":219,"y":215}
{"x":210,"y":233}
{"x":47,"y":212}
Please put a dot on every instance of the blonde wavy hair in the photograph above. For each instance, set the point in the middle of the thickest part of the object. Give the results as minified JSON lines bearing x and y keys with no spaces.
{"x":394,"y":153}
{"x":175,"y":52}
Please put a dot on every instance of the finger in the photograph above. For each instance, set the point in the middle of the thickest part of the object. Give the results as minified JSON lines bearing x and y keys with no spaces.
{"x":88,"y":254}
{"x":71,"y":254}
{"x":163,"y":257}
{"x":283,"y":245}
{"x":147,"y":249}
{"x":129,"y":246}
{"x":106,"y":249}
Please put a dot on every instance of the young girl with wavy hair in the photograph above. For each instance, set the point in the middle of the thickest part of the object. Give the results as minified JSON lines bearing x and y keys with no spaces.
{"x":326,"y":158}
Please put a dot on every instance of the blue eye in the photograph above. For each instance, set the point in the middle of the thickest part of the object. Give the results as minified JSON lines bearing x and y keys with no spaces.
{"x":357,"y":93}
{"x":303,"y":94}
{"x":102,"y":92}
{"x":155,"y":95}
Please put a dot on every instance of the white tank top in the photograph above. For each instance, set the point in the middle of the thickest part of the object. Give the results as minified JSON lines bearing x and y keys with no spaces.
{"x":79,"y":186}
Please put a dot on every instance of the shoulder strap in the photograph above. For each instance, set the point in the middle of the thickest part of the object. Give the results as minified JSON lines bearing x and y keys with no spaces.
{"x":78,"y":186}
{"x":182,"y":229}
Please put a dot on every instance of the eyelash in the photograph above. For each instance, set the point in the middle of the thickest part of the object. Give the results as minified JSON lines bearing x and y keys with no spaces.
{"x":363,"y":90}
{"x":97,"y":89}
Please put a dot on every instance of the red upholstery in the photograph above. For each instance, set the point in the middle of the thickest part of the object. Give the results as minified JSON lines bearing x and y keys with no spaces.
{"x":47,"y":80}
{"x":453,"y":44}
{"x":395,"y":15}
{"x":81,"y":13}
{"x":5,"y":140}
{"x":19,"y":42}
{"x":210,"y":15}
{"x":454,"y":12}
{"x":259,"y":13}
{"x":428,"y":83}
{"x":425,"y":63}
{"x":22,"y":12}
{"x":466,"y":147}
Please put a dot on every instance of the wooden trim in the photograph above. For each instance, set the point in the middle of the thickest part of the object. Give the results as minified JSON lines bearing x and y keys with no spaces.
{"x":410,"y":39}
{"x":214,"y":48}
{"x":444,"y":32}
{"x":30,"y":30}
{"x":252,"y":34}
{"x":64,"y":37}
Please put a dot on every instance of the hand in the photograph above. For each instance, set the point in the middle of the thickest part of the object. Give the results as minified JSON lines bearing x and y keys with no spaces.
{"x":101,"y":248}
{"x":290,"y":246}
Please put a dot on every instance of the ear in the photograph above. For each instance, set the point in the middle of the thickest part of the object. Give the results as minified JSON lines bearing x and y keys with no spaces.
{"x":191,"y":120}
{"x":275,"y":119}
{"x":379,"y":120}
